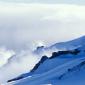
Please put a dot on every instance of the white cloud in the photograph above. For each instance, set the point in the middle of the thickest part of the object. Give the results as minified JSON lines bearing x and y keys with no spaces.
{"x":20,"y":63}
{"x":5,"y":55}
{"x":25,"y":23}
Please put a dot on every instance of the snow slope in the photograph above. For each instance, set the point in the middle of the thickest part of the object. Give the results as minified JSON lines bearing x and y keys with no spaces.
{"x":54,"y":73}
{"x":61,"y":68}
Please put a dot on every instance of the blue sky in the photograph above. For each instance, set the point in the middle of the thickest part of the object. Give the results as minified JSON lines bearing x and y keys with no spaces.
{"x":48,"y":1}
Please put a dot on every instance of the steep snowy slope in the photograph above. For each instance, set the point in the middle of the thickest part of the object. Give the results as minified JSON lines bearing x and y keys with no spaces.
{"x":58,"y":69}
{"x":57,"y":58}
{"x":52,"y":74}
{"x":61,"y":60}
{"x":70,"y":44}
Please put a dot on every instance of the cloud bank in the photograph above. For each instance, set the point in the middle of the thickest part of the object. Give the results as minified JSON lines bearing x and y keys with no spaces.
{"x":18,"y":64}
{"x":5,"y":54}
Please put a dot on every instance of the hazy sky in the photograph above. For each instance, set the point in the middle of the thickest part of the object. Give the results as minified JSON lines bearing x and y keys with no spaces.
{"x":50,"y":21}
{"x":48,"y":1}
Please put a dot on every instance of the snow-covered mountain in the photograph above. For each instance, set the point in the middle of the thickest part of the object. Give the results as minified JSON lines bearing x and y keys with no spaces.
{"x":69,"y":45}
{"x":65,"y":66}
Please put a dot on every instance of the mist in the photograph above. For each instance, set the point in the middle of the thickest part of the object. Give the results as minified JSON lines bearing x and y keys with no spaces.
{"x":21,"y":25}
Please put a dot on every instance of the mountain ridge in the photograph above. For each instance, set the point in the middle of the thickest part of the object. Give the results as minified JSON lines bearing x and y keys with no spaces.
{"x":58,"y":58}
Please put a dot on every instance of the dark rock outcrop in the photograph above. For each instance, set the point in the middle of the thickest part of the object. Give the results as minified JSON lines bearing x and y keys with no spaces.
{"x":40,"y":62}
{"x":56,"y":54}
